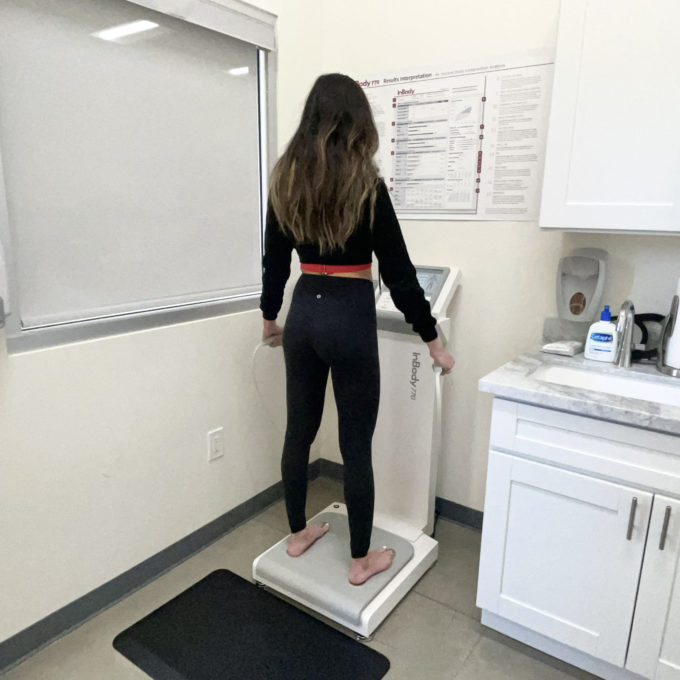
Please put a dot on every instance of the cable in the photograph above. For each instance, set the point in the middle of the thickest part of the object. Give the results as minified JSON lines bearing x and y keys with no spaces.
{"x":265,"y":343}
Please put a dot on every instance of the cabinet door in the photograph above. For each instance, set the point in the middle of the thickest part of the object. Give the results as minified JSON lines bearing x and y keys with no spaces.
{"x":613,"y":149}
{"x":655,"y":641}
{"x":556,"y":557}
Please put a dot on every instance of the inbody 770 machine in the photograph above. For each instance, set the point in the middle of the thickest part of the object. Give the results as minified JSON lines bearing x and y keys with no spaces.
{"x":406,"y":448}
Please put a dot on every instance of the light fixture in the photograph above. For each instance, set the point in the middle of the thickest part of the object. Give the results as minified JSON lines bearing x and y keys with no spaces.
{"x":124,"y":30}
{"x":240,"y":71}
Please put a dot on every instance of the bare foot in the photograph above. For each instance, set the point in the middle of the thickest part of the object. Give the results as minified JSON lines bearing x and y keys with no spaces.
{"x":375,"y":561}
{"x":301,"y":540}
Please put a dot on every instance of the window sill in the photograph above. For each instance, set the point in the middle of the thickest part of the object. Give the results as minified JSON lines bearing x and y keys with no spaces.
{"x":63,"y":334}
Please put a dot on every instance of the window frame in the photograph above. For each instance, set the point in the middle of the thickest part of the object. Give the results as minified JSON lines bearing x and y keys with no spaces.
{"x":235,"y":19}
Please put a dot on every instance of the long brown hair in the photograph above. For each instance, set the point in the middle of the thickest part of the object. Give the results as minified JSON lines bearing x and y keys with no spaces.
{"x":321,"y":183}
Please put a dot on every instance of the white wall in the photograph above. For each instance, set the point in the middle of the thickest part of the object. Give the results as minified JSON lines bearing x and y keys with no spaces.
{"x":104,"y":455}
{"x":643,"y":268}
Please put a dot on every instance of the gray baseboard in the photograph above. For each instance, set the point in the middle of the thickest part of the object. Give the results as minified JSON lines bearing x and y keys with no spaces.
{"x":458,"y":513}
{"x":54,"y":626}
{"x":329,"y":469}
{"x":443,"y":508}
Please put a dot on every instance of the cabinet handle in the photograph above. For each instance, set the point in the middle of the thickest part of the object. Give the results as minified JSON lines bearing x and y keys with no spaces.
{"x":664,"y":531}
{"x":631,"y":518}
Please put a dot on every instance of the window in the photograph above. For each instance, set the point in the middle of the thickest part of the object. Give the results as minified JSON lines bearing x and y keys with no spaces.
{"x":132,"y":145}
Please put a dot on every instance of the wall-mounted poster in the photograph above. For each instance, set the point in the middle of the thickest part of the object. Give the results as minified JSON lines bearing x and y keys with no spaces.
{"x":465,"y":142}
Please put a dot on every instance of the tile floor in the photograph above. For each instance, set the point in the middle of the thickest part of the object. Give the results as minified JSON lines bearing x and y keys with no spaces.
{"x":434,"y":634}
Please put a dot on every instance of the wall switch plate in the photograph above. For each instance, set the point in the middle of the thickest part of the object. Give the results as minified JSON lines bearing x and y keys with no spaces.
{"x":215,"y":444}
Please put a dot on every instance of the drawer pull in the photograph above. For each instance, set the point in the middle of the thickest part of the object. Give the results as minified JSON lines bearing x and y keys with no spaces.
{"x":664,"y":530}
{"x":631,"y":518}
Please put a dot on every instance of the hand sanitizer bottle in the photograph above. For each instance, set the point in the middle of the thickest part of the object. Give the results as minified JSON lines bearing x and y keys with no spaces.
{"x":602,"y":338}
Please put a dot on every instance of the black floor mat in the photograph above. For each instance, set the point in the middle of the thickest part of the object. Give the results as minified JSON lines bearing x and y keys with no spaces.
{"x":226,"y":628}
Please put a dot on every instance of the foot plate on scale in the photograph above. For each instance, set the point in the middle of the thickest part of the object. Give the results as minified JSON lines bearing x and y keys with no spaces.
{"x":318,"y":578}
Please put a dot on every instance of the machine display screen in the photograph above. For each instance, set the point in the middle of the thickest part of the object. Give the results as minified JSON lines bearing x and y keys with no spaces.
{"x":428,"y":282}
{"x":431,"y":280}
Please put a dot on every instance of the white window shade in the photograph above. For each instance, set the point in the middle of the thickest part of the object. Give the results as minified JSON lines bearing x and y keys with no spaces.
{"x":131,"y":166}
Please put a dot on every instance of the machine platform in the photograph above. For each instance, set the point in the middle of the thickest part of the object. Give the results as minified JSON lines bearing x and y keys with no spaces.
{"x":318,"y":578}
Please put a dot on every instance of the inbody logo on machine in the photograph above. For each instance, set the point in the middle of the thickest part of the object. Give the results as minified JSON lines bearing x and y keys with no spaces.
{"x":415,"y":365}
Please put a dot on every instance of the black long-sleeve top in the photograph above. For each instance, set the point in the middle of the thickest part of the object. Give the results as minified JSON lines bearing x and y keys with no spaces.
{"x":385,"y":239}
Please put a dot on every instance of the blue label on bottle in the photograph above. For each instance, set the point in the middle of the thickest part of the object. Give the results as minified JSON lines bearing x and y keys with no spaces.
{"x":602,"y":337}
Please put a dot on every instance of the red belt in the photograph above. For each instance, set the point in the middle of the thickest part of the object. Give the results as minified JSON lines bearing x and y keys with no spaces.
{"x":332,"y":268}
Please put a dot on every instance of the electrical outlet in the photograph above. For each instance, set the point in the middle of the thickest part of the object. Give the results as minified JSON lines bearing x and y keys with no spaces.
{"x":215,"y":444}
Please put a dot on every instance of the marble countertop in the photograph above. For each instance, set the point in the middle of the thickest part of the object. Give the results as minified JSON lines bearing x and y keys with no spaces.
{"x":516,"y":381}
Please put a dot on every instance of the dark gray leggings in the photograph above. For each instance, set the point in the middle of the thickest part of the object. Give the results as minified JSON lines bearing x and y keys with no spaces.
{"x":331,"y":325}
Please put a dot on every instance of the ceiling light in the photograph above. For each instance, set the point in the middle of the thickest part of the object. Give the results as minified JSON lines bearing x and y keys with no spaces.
{"x":124,"y":30}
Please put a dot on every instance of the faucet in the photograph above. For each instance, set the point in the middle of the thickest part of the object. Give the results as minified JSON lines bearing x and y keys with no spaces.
{"x":624,"y":329}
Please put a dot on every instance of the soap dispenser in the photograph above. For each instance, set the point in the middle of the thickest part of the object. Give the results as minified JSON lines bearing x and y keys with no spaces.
{"x":580,"y":284}
{"x":602,"y":338}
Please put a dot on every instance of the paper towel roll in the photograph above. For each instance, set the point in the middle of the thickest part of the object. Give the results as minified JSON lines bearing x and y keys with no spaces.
{"x":672,"y":356}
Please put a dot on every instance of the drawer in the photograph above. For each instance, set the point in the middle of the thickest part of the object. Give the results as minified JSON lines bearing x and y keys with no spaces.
{"x":621,"y":452}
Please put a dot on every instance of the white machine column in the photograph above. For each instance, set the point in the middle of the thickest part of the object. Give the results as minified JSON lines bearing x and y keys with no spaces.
{"x":404,"y":459}
{"x":406,"y":442}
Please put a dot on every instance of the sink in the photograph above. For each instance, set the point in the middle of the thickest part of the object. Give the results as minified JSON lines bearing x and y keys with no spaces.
{"x":621,"y":385}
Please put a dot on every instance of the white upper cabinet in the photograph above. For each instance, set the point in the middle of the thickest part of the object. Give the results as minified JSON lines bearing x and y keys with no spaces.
{"x":613,"y":152}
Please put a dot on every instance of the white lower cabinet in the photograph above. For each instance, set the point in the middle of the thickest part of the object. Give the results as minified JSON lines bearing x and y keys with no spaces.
{"x":557,"y":555}
{"x":580,"y":544}
{"x":655,"y":640}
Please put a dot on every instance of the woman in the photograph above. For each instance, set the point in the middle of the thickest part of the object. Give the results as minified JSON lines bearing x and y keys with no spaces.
{"x":327,"y":201}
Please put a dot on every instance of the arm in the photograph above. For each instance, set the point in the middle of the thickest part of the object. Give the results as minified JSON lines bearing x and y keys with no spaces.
{"x":397,"y":269}
{"x":275,"y":273}
{"x":399,"y":274}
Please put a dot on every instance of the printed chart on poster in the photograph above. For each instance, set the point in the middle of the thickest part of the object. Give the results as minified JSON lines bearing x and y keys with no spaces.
{"x":466,"y":142}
